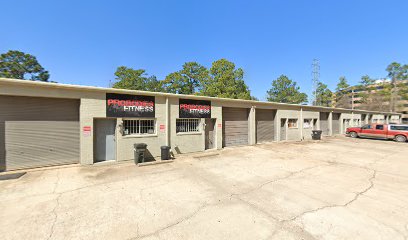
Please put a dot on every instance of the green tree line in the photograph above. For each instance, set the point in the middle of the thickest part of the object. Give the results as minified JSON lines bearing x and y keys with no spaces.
{"x":19,"y":65}
{"x":222,"y":79}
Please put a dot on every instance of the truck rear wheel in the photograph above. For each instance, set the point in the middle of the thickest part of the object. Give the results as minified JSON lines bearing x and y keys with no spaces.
{"x":353,"y":135}
{"x":400,"y":138}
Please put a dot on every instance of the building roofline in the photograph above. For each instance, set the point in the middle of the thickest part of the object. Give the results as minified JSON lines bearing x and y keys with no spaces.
{"x":126,"y":91}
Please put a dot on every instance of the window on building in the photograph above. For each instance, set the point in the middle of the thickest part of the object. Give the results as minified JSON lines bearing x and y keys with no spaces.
{"x":292,"y":123}
{"x":139,"y":127}
{"x":307,"y":123}
{"x":187,"y":125}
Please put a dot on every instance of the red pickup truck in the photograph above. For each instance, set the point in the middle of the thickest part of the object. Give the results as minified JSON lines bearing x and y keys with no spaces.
{"x":397,"y":132}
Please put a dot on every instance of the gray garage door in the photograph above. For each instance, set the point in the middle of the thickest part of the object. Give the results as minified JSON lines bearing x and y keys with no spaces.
{"x":282,"y":128}
{"x":265,"y":128}
{"x":36,"y":132}
{"x":336,"y":123}
{"x":324,"y":123}
{"x":235,"y":126}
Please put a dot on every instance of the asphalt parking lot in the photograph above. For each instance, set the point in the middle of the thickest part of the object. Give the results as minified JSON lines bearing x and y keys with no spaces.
{"x":339,"y":188}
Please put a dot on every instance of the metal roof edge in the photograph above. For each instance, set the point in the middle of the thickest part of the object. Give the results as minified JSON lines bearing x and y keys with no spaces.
{"x":126,"y":91}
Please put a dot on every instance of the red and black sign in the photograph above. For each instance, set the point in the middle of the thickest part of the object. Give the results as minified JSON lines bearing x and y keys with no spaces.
{"x":194,"y":108}
{"x":123,"y":105}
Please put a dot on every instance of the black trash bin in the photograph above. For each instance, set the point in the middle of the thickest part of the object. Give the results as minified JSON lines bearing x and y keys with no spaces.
{"x":165,"y":152}
{"x":140,"y":152}
{"x":317,"y":134}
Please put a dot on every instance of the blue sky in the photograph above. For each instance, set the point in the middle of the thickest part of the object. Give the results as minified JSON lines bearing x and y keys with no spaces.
{"x":83,"y":42}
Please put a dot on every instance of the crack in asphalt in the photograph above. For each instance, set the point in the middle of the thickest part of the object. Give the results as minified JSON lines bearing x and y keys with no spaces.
{"x":291,"y":174}
{"x":406,"y":230}
{"x":280,"y":223}
{"x":357,"y":195}
{"x":137,"y":230}
{"x":235,"y":196}
{"x":181,"y":220}
{"x":95,"y":184}
{"x":369,"y":167}
{"x":54,"y":211}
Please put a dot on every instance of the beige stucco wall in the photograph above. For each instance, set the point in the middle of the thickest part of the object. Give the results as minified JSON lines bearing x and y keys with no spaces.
{"x":307,"y":132}
{"x":345,"y":122}
{"x":292,"y":134}
{"x":193,"y":142}
{"x":346,"y":116}
{"x":90,"y":109}
{"x":350,"y":120}
{"x":395,"y":119}
{"x":184,"y":142}
{"x":216,"y":112}
{"x":179,"y":142}
{"x":378,"y":118}
{"x":93,"y":106}
{"x":357,"y":120}
{"x":125,"y":144}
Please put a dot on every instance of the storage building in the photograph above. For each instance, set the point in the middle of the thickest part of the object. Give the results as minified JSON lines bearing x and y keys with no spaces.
{"x":46,"y":124}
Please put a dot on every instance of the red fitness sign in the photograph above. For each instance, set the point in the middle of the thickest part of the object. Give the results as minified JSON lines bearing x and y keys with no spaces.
{"x":194,"y":108}
{"x":122,"y":105}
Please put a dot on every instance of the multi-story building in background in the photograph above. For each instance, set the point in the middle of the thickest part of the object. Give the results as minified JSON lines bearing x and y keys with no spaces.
{"x":376,"y":97}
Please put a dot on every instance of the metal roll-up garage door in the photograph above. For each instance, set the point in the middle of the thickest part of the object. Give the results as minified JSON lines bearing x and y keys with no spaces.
{"x":336,"y":123}
{"x":235,"y":126}
{"x":324,"y":123}
{"x":265,"y":127}
{"x":37,"y":132}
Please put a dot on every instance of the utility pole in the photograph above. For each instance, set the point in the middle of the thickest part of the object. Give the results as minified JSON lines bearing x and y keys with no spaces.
{"x":352,"y":98}
{"x":393,"y":93}
{"x":315,"y":81}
